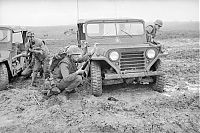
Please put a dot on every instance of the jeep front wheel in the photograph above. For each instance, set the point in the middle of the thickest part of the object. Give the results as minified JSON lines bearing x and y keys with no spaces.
{"x":96,"y":79}
{"x":159,"y":80}
{"x":3,"y":77}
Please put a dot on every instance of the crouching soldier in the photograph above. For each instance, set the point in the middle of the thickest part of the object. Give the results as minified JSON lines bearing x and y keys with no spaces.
{"x":41,"y":55}
{"x":66,"y":75}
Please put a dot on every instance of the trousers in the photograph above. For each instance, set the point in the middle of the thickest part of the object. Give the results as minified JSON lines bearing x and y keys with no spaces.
{"x":69,"y":86}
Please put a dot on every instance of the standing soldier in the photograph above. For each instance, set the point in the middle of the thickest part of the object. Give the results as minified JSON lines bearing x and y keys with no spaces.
{"x":29,"y":57}
{"x":41,"y":57}
{"x":152,"y":29}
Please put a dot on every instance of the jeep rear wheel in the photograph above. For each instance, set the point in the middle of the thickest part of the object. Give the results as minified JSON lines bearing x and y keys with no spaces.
{"x":96,"y":79}
{"x":159,"y":80}
{"x":3,"y":77}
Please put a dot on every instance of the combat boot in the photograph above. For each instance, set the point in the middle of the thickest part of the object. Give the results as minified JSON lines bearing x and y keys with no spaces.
{"x":34,"y":84}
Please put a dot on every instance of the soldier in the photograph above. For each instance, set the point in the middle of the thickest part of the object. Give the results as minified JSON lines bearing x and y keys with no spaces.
{"x":41,"y":57}
{"x":66,"y":76}
{"x":29,"y":58}
{"x":152,"y":29}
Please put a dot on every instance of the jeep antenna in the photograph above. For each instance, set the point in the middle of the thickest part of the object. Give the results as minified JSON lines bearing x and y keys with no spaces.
{"x":115,"y":8}
{"x":77,"y":10}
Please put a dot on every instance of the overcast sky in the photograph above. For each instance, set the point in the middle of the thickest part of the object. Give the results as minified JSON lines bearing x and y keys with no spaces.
{"x":64,"y":12}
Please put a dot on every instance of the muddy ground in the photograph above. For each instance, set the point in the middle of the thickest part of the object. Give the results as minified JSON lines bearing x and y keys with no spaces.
{"x":135,"y":109}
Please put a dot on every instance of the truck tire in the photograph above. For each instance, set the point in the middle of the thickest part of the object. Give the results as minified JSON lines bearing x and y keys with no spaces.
{"x":159,"y":80}
{"x":96,"y":79}
{"x":3,"y":76}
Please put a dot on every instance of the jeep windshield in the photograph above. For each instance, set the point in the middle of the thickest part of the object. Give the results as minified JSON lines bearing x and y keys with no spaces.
{"x":5,"y":35}
{"x":115,"y":29}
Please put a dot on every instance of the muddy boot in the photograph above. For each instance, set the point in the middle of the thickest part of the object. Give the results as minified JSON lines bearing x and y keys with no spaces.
{"x":63,"y":97}
{"x":41,"y":73}
{"x":34,"y":84}
{"x":48,"y":93}
{"x":55,"y":90}
{"x":73,"y":91}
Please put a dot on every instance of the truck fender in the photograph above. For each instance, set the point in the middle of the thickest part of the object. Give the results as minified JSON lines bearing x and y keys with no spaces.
{"x":4,"y":55}
{"x":101,"y":58}
{"x":155,"y":59}
{"x":4,"y":58}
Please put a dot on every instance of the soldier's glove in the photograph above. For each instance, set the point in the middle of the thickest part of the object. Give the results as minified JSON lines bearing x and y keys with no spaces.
{"x":93,"y":50}
{"x":37,"y":51}
{"x":156,"y":43}
{"x":80,"y":71}
{"x":30,"y":50}
{"x":47,"y":84}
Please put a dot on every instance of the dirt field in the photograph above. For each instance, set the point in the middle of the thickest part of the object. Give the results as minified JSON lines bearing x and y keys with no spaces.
{"x":137,"y":108}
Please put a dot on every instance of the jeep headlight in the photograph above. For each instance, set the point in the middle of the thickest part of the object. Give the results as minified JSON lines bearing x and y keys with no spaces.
{"x":114,"y":55}
{"x":150,"y":53}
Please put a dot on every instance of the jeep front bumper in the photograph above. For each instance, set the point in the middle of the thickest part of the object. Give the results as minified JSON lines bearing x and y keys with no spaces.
{"x":132,"y":75}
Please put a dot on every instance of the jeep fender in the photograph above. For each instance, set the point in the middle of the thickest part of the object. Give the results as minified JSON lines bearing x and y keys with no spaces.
{"x":4,"y":58}
{"x":155,"y":59}
{"x":101,"y":58}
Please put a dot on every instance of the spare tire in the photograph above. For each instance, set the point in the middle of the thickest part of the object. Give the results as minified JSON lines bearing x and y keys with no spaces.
{"x":3,"y":76}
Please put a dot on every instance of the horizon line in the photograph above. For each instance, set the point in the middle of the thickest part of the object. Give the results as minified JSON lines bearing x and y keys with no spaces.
{"x":76,"y":23}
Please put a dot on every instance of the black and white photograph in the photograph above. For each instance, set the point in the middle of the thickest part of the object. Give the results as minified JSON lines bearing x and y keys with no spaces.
{"x":99,"y":66}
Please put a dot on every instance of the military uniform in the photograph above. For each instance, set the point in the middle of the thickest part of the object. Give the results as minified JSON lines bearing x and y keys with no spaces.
{"x":65,"y":75}
{"x":29,"y":62}
{"x":152,"y":29}
{"x":41,"y":57}
{"x":58,"y":57}
{"x":150,"y":33}
{"x":65,"y":72}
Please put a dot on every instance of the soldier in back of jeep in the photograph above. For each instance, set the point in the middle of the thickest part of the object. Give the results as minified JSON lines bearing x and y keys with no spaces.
{"x":152,"y":29}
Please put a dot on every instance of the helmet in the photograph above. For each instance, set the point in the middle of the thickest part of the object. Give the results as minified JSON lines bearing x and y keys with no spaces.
{"x":73,"y":50}
{"x":159,"y":22}
{"x":30,"y":34}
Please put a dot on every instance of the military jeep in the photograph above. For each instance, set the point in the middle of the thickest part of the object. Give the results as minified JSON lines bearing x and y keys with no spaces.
{"x":123,"y":54}
{"x":12,"y":44}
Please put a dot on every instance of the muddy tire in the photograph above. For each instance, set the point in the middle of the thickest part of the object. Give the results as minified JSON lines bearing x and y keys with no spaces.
{"x":3,"y":76}
{"x":159,"y":81}
{"x":96,"y":79}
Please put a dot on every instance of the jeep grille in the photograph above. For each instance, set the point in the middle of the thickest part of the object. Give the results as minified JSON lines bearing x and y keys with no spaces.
{"x":132,"y":61}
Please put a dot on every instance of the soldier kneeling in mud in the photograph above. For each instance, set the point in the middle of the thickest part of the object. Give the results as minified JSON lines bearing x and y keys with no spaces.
{"x":66,"y":75}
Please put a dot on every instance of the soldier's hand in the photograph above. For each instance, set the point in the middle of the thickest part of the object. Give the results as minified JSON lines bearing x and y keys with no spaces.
{"x":31,"y":50}
{"x":94,"y":49}
{"x":37,"y":51}
{"x":80,"y":71}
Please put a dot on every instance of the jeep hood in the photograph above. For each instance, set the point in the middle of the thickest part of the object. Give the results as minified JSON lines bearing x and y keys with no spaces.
{"x":103,"y":48}
{"x":4,"y":55}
